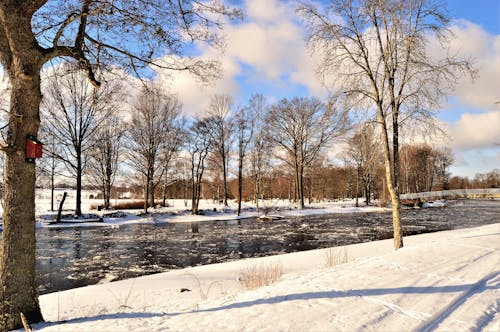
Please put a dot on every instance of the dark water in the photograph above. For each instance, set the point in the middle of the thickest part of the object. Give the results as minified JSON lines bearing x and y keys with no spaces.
{"x":73,"y":257}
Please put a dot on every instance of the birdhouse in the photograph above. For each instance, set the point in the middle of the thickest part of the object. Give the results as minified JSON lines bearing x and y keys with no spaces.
{"x":34,"y":149}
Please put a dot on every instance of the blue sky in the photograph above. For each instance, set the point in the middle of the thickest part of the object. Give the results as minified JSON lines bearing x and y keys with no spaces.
{"x":266,"y":54}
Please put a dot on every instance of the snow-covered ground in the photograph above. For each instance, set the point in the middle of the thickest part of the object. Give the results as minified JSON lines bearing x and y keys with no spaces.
{"x":446,"y":281}
{"x":178,"y":210}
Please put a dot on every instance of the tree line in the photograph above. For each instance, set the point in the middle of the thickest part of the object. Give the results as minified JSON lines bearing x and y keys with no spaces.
{"x":245,"y":152}
{"x":152,"y":142}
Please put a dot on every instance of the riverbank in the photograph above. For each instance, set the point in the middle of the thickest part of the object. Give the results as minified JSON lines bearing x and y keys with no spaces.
{"x":447,"y":280}
{"x":210,"y":211}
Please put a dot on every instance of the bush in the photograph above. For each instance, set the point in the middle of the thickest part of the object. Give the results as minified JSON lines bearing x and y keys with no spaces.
{"x":336,"y":256}
{"x":258,"y":275}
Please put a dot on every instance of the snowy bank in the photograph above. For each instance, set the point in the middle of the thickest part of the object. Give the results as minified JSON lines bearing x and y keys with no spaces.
{"x":447,"y":280}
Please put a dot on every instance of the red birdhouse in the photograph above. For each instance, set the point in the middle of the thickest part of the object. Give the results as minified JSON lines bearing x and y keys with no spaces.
{"x":34,"y":149}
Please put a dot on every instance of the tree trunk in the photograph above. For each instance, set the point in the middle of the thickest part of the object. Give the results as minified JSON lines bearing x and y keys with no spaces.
{"x":18,"y":288}
{"x":391,"y":174}
{"x":240,"y":183}
{"x":299,"y":172}
{"x":224,"y":171}
{"x":146,"y":195}
{"x":78,"y":209}
{"x":257,"y":193}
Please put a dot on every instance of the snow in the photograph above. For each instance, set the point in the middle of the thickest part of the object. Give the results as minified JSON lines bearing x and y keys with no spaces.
{"x":179,"y":210}
{"x":446,"y":281}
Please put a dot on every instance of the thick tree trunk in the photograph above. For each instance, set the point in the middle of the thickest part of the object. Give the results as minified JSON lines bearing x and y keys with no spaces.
{"x":18,"y":288}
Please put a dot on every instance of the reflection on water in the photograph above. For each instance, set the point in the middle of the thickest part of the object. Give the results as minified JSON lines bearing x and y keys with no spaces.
{"x":73,"y":257}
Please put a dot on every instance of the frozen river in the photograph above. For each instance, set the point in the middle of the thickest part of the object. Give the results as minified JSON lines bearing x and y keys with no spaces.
{"x":74,"y":257}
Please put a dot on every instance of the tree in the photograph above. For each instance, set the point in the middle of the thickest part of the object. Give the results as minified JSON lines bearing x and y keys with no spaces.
{"x":173,"y":141}
{"x":152,"y":122}
{"x":244,"y":124}
{"x":104,"y":155}
{"x":50,"y":165}
{"x":73,"y":111}
{"x":300,"y":128}
{"x":129,"y":34}
{"x":221,"y":129}
{"x":198,"y":146}
{"x":378,"y":52}
{"x":363,"y":151}
{"x":259,"y":145}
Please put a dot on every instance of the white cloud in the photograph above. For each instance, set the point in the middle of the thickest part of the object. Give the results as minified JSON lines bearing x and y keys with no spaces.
{"x":267,"y":48}
{"x":484,"y":48}
{"x":475,"y":131}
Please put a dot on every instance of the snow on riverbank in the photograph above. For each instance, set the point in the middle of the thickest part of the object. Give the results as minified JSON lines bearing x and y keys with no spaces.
{"x":177,"y":211}
{"x":448,"y":280}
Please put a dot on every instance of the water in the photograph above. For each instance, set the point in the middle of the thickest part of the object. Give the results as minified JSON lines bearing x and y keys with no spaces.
{"x":74,"y":257}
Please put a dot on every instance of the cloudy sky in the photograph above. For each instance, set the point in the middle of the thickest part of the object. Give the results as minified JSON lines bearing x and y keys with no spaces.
{"x":266,"y":54}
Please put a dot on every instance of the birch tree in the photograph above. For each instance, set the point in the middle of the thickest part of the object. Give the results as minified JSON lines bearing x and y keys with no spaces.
{"x":376,"y":54}
{"x":129,"y":34}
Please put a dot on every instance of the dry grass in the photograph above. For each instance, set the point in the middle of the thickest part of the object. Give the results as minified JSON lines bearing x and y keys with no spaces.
{"x":336,"y":256}
{"x":258,"y":275}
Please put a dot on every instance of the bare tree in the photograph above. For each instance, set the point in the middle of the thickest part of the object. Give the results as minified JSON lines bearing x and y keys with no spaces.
{"x":259,"y":145}
{"x":73,"y":111}
{"x":378,"y":52}
{"x":363,"y":151}
{"x":50,"y":166}
{"x":125,"y":33}
{"x":173,"y":142}
{"x":300,"y":128}
{"x":104,"y":155}
{"x":198,"y":146}
{"x":153,"y":119}
{"x":221,"y":129}
{"x":244,"y":121}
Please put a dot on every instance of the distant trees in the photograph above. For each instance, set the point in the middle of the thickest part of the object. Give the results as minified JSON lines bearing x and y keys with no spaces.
{"x":423,"y":167}
{"x":149,"y":131}
{"x":299,"y":128}
{"x":377,"y":52}
{"x":73,"y":111}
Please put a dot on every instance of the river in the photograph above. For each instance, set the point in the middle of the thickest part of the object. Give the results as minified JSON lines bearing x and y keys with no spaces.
{"x":80,"y":256}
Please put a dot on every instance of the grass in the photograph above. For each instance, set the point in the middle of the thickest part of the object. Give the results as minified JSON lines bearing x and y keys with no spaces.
{"x":336,"y":256}
{"x":259,"y":275}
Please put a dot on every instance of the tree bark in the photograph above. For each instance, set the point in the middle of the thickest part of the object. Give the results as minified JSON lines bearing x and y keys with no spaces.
{"x":390,"y":173}
{"x":18,"y":288}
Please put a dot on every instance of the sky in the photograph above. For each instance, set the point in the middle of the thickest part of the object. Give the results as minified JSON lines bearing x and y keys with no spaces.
{"x":266,"y":53}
